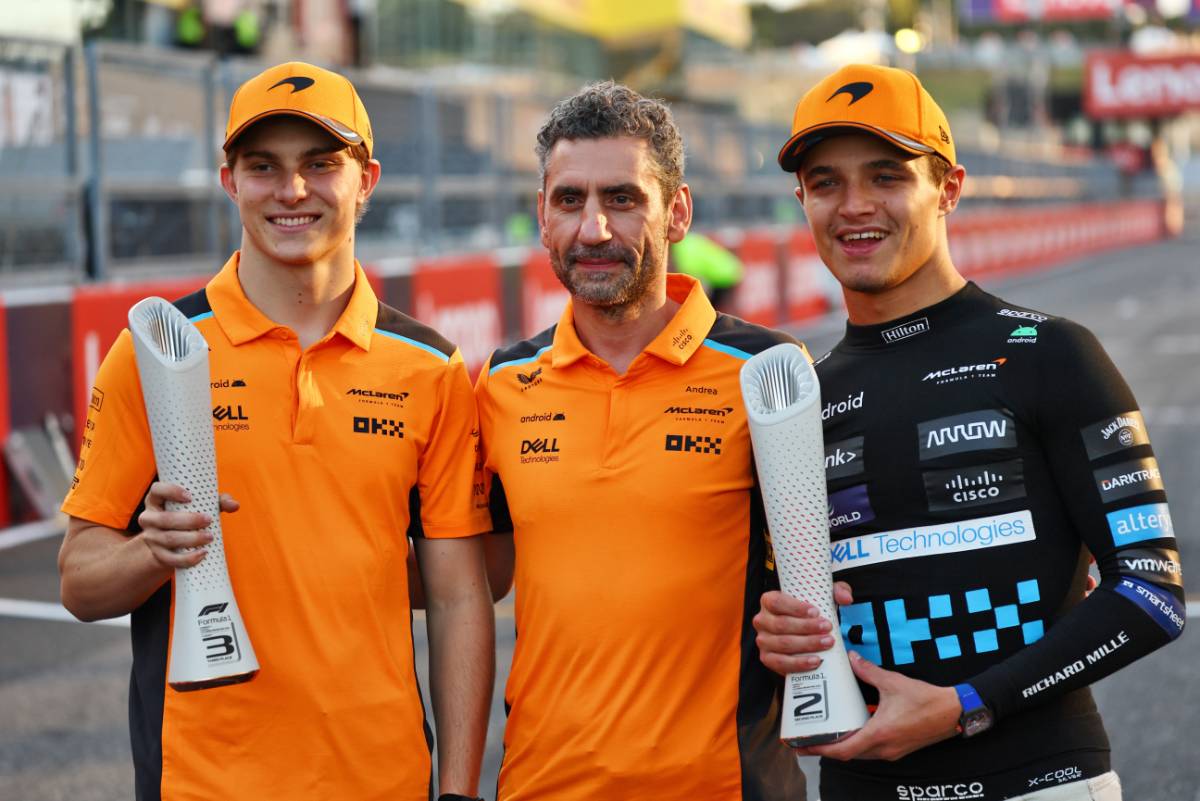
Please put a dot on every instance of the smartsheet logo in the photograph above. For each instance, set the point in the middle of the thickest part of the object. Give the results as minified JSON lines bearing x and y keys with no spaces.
{"x":905,"y":330}
{"x":1150,"y":521}
{"x":960,"y":433}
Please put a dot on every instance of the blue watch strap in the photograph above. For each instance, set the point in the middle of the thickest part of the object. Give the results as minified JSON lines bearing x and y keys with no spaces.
{"x":968,"y":697}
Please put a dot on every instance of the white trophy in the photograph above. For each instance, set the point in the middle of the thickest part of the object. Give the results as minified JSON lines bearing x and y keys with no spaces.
{"x":783,"y":409}
{"x":209,"y":643}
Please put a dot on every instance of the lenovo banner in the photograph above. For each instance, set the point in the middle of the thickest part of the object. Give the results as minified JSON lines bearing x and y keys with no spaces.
{"x":1122,"y":84}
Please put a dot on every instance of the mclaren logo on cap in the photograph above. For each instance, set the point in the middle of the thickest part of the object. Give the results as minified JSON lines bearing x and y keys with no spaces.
{"x":298,"y":84}
{"x":857,"y":91}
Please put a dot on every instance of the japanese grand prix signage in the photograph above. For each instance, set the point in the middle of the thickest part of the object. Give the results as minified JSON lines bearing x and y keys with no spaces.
{"x":1122,"y":84}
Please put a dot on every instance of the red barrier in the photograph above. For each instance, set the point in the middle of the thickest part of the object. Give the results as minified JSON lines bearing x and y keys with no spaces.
{"x":803,"y":293}
{"x":757,"y":296}
{"x":460,"y":298}
{"x":5,"y":516}
{"x":98,"y":313}
{"x":543,"y":297}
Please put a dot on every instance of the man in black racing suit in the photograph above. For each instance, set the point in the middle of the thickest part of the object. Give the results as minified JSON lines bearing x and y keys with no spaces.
{"x":978,"y":454}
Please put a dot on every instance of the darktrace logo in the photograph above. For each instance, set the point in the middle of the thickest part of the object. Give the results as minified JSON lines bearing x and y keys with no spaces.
{"x":699,"y":413}
{"x":540,"y":450}
{"x":226,"y":383}
{"x":213,"y":609}
{"x":97,"y":399}
{"x":530,"y":380}
{"x":544,"y":417}
{"x":377,"y":397}
{"x":298,"y":83}
{"x":905,"y":330}
{"x":701,"y":390}
{"x":379,"y":426}
{"x":686,"y":443}
{"x":963,"y":372}
{"x":857,"y":91}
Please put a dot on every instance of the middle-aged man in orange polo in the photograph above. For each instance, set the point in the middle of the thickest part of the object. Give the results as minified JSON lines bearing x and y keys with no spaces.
{"x":618,"y":456}
{"x":312,"y":361}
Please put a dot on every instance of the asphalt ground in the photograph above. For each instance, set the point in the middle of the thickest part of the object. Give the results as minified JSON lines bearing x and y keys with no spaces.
{"x":64,"y":685}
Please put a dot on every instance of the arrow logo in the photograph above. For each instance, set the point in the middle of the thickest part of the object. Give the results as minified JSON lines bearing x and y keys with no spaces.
{"x":298,"y":84}
{"x":857,"y":91}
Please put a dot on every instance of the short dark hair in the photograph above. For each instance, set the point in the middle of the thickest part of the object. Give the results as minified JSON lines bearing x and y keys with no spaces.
{"x":607,"y":109}
{"x":937,"y":167}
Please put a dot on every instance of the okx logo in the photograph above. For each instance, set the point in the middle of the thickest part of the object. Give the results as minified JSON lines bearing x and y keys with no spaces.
{"x":686,"y":443}
{"x":379,"y":426}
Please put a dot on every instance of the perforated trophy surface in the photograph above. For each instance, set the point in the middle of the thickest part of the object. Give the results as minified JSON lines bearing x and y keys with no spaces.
{"x":783,"y":409}
{"x":209,"y":643}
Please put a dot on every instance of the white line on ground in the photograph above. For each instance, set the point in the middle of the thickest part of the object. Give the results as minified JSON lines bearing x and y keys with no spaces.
{"x":28,"y":532}
{"x":41,"y":610}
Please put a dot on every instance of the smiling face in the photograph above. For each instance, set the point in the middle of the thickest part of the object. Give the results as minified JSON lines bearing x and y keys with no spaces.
{"x":297,"y":189}
{"x":605,"y":222}
{"x":876,"y":213}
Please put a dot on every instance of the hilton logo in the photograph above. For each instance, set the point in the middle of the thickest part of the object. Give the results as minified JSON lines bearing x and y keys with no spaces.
{"x":905,"y":330}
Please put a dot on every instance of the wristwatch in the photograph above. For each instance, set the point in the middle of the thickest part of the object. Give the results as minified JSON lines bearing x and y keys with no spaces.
{"x":976,"y":718}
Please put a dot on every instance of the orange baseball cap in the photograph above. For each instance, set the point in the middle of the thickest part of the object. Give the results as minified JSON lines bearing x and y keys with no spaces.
{"x":302,"y":90}
{"x":885,"y":101}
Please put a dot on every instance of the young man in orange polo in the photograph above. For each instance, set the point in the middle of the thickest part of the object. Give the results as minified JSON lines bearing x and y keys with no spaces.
{"x":354,"y":426}
{"x":989,"y":451}
{"x":618,"y":457}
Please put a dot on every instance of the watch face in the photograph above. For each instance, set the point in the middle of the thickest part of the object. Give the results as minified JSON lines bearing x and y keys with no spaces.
{"x":978,"y":721}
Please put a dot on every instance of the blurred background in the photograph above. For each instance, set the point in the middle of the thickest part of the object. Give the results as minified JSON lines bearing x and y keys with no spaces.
{"x":1078,"y":122}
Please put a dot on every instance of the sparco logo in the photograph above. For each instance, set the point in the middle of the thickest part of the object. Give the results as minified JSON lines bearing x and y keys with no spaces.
{"x":962,"y":791}
{"x":905,"y":330}
{"x":213,"y":609}
{"x":964,"y":371}
{"x":379,"y":426}
{"x":841,"y":407}
{"x":1023,"y":315}
{"x":686,"y":443}
{"x":961,"y":433}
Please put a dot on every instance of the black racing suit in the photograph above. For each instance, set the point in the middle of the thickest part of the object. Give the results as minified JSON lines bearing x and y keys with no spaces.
{"x":977,"y":453}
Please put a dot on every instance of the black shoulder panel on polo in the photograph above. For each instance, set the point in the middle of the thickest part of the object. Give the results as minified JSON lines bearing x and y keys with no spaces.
{"x":194,"y":304}
{"x":735,"y":332}
{"x":525,"y":349}
{"x":397,"y":322}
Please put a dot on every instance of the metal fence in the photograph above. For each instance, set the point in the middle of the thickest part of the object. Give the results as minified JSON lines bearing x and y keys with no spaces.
{"x":109,"y":155}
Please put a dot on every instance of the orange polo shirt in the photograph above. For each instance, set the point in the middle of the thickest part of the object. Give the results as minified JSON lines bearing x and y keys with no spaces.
{"x":330,"y":450}
{"x":640,"y":558}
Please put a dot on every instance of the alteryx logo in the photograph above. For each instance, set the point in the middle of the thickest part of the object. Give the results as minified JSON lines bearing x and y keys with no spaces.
{"x":1149,"y":521}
